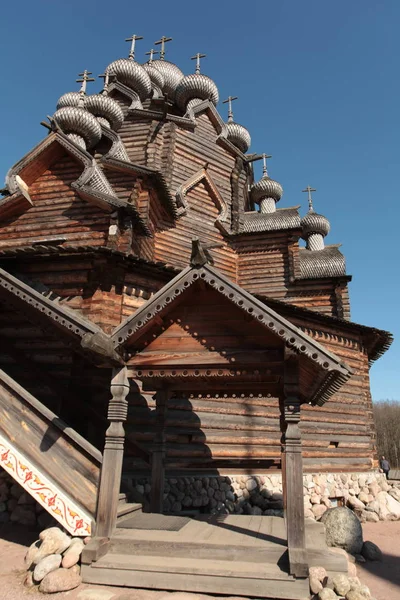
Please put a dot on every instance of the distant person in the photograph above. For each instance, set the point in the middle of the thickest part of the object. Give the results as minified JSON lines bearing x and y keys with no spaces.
{"x":384,"y":464}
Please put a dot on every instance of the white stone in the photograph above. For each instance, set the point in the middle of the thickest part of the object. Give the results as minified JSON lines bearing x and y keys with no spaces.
{"x":387,"y":506}
{"x":327,"y":594}
{"x":45,"y":566}
{"x":251,"y":485}
{"x":54,"y":541}
{"x":341,"y":584}
{"x":72,"y":555}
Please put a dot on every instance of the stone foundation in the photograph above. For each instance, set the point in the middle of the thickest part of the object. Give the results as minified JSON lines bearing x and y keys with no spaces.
{"x":368,"y":494}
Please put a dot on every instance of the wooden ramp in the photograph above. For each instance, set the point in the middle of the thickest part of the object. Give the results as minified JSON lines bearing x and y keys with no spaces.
{"x":231,"y":555}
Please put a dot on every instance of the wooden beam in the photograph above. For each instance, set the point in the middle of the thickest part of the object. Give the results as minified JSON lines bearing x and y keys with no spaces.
{"x":159,"y":452}
{"x":110,"y":480}
{"x":292,"y":473}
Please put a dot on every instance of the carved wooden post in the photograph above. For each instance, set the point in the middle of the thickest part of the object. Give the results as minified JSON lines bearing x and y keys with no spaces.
{"x":293,"y":471}
{"x":159,"y":452}
{"x":110,"y":479}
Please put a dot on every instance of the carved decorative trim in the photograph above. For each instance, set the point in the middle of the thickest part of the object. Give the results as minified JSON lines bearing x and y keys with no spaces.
{"x":190,"y":183}
{"x":72,"y":517}
{"x":128,"y":93}
{"x":135,"y":170}
{"x":167,"y":372}
{"x":336,"y":371}
{"x":117,"y":149}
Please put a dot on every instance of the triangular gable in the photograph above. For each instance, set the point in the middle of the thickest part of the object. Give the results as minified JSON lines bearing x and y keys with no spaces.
{"x":332,"y":372}
{"x":83,"y":334}
{"x":92,"y":185}
{"x":203,"y":176}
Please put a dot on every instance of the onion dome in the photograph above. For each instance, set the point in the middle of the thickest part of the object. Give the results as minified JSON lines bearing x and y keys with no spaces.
{"x":171,"y":73}
{"x":157,"y":78}
{"x":266,"y":192}
{"x":196,"y":87}
{"x":237,"y":134}
{"x":69,"y":99}
{"x":107,"y":110}
{"x":315,"y":227}
{"x":131,"y":73}
{"x":78,"y":124}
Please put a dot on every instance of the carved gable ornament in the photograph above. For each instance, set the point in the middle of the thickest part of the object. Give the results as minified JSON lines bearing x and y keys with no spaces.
{"x":203,"y":176}
{"x":92,"y":185}
{"x":329,"y":372}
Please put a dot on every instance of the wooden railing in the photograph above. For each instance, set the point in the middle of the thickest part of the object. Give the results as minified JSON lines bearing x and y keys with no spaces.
{"x":51,"y":461}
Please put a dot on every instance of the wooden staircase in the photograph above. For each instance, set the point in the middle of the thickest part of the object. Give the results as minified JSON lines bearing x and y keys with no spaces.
{"x":50,"y":460}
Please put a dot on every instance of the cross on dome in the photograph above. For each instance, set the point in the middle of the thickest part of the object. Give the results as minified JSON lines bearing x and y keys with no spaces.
{"x":163,"y":41}
{"x":133,"y":39}
{"x":84,"y":78}
{"x":309,"y":189}
{"x":229,"y":101}
{"x":151,"y":54}
{"x":197,"y":58}
{"x":265,"y":157}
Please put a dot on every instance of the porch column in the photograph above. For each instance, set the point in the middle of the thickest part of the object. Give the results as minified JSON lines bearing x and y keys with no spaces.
{"x":159,"y":452}
{"x":292,"y":472}
{"x":110,"y":478}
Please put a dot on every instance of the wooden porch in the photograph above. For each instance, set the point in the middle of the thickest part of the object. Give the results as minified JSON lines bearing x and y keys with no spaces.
{"x":231,"y":554}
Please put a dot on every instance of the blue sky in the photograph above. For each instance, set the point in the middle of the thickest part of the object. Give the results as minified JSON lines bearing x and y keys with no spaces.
{"x":318,"y":88}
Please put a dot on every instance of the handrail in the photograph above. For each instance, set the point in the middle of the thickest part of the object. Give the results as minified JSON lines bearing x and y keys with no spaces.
{"x":52,"y":418}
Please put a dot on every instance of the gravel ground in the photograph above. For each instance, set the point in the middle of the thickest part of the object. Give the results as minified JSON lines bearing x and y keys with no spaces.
{"x":383,"y":578}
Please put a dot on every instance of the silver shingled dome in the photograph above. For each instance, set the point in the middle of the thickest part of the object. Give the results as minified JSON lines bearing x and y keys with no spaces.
{"x":104,"y":107}
{"x":238,"y":135}
{"x":69,"y":99}
{"x":155,"y":75}
{"x":171,"y":73}
{"x":312,"y":222}
{"x":78,"y":122}
{"x":266,"y":188}
{"x":196,"y":86}
{"x":133,"y":75}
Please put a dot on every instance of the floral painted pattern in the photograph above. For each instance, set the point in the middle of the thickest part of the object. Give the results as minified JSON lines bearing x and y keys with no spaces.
{"x":76,"y":521}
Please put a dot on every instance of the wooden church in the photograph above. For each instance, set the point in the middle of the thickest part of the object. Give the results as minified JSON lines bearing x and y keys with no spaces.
{"x":160,"y":317}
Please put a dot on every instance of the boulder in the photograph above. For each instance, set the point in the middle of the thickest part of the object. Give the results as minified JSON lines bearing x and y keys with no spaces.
{"x":28,"y":581}
{"x":351,"y":570}
{"x":318,"y":510}
{"x":343,"y":529}
{"x":327,"y":594}
{"x":45,"y":566}
{"x":54,"y":541}
{"x":341,"y":584}
{"x":371,"y":551}
{"x":60,"y":580}
{"x":72,"y":555}
{"x":355,"y":503}
{"x":370,"y":517}
{"x":315,"y":585}
{"x":318,"y":573}
{"x":389,"y":508}
{"x":32,"y":554}
{"x":395,"y":493}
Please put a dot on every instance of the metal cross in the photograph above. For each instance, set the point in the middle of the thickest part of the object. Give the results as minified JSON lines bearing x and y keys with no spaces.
{"x":162,"y":41}
{"x":151,"y":54}
{"x":197,"y":58}
{"x":107,"y":76}
{"x":309,"y":189}
{"x":229,"y":100}
{"x":84,"y":79}
{"x":133,"y":39}
{"x":265,"y":157}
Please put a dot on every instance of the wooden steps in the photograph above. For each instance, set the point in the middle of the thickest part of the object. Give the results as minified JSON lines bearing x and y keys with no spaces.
{"x":196,"y":575}
{"x":126,"y":508}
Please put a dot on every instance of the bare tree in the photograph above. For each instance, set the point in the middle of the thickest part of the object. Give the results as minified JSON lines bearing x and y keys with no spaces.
{"x":387,"y":422}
